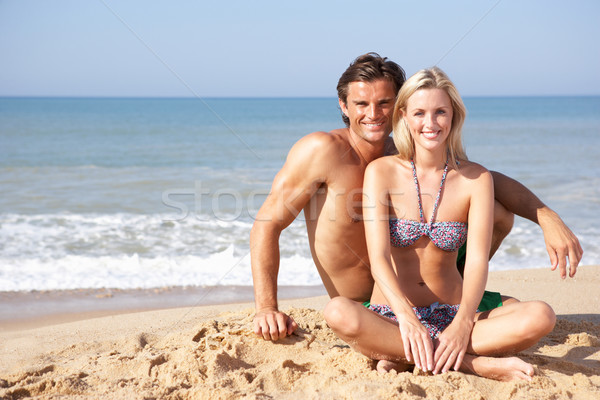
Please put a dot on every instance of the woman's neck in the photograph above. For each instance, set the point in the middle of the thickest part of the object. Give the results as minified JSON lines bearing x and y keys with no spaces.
{"x":430,"y":160}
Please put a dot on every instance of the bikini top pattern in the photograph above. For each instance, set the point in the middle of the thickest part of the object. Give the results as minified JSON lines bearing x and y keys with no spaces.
{"x":446,"y":235}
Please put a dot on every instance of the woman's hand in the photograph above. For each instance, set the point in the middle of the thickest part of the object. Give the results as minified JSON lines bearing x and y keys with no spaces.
{"x":418,"y":346}
{"x":452,"y":345}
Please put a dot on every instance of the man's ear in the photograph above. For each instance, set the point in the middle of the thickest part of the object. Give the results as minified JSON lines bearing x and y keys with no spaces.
{"x":343,"y":107}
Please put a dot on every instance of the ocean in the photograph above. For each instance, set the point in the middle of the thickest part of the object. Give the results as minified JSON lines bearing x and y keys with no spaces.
{"x":153,"y":193}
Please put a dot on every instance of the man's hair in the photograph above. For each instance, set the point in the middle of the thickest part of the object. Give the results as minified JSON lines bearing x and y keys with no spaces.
{"x":369,"y":68}
{"x":431,"y":78}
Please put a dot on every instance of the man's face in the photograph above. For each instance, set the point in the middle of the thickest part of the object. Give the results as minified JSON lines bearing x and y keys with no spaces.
{"x":369,"y":107}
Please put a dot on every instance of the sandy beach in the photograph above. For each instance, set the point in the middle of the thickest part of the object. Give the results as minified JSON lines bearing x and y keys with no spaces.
{"x":210,"y":352}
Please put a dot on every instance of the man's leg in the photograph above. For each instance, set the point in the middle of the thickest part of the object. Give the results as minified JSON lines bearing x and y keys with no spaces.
{"x":503,"y":223}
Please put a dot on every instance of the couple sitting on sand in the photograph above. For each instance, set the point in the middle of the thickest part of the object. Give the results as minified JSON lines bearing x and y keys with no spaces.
{"x":385,"y":231}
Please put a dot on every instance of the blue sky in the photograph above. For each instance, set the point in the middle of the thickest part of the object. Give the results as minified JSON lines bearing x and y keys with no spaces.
{"x":279,"y":48}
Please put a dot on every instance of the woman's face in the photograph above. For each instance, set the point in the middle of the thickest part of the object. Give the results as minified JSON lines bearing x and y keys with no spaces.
{"x":429,"y":117}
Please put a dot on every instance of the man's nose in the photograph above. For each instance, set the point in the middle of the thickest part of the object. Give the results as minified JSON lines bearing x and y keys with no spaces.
{"x":373,"y":111}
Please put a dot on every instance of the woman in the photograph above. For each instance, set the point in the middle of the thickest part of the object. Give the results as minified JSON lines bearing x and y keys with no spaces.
{"x":416,"y":206}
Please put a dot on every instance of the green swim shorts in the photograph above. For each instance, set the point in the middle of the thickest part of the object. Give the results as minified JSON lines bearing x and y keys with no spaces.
{"x":489,"y":301}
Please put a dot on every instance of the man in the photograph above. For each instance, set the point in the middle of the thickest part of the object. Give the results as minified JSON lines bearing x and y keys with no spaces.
{"x":323,"y":175}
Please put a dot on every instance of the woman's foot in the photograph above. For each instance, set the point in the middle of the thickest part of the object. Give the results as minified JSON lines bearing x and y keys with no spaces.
{"x":385,"y":366}
{"x":498,"y":368}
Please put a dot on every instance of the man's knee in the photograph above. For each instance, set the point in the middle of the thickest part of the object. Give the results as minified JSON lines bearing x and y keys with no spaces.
{"x":503,"y":220}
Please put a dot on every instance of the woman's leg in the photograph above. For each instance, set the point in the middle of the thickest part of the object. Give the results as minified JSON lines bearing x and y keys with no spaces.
{"x":511,"y":328}
{"x":367,"y":332}
{"x":507,"y":330}
{"x":379,"y":338}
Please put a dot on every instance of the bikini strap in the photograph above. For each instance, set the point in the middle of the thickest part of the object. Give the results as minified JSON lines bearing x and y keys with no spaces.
{"x":437,"y":199}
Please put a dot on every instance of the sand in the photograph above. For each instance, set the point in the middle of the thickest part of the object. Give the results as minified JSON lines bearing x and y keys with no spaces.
{"x":211,"y":353}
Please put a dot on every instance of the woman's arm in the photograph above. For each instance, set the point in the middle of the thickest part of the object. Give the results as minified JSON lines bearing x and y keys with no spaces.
{"x":455,"y":339}
{"x":418,"y":346}
{"x":480,"y":219}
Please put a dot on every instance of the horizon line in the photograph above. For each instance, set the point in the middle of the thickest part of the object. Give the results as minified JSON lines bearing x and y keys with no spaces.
{"x":135,"y":97}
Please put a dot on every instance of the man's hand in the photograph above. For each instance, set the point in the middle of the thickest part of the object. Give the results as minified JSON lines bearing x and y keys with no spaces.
{"x":273,"y":324}
{"x":560,"y":243}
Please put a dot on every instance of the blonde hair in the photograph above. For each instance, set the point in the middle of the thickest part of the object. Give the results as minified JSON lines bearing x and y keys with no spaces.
{"x":431,"y":78}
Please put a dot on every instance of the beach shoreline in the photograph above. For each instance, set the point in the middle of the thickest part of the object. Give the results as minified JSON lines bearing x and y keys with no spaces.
{"x":210,"y":351}
{"x":32,"y":309}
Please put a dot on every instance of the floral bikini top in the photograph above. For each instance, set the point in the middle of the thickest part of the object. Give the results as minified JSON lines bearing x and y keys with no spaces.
{"x":446,"y":235}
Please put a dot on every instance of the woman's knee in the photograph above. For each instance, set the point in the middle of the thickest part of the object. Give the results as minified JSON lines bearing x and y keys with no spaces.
{"x":340,"y":314}
{"x":538,"y":319}
{"x":547,"y":316}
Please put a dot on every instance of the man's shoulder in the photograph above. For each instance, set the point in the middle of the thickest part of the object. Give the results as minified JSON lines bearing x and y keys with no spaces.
{"x":323,"y":143}
{"x":336,"y":136}
{"x":317,"y":154}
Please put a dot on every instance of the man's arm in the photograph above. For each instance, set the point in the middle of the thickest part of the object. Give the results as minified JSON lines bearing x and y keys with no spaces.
{"x":292,"y":189}
{"x":560,"y":240}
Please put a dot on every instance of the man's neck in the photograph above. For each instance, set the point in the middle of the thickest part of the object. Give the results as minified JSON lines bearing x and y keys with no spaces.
{"x":368,"y":151}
